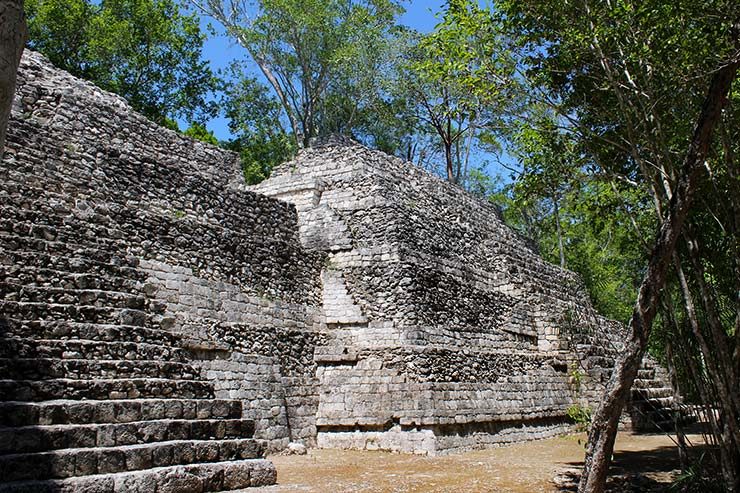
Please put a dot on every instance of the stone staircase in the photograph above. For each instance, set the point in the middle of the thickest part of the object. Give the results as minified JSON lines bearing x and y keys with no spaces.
{"x":94,"y":395}
{"x":653,"y":406}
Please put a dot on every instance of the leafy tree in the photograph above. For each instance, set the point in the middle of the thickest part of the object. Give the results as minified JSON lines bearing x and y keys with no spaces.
{"x":254,"y":118}
{"x":145,"y":50}
{"x":302,"y":48}
{"x":642,"y":86}
{"x":199,"y":132}
{"x":551,"y":169}
{"x":457,"y":78}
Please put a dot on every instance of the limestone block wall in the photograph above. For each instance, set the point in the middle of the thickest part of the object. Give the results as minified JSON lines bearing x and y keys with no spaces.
{"x":221,"y":269}
{"x":372,"y":305}
{"x":445,"y":330}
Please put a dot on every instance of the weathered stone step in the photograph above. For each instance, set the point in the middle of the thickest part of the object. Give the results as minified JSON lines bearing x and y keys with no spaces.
{"x":47,"y":368}
{"x":651,"y":393}
{"x":65,"y":330}
{"x":38,"y":192}
{"x":594,"y":351}
{"x":19,"y":190}
{"x":194,"y":478}
{"x":70,"y":228}
{"x":660,"y":426}
{"x":31,"y":390}
{"x":647,"y":383}
{"x":601,"y":362}
{"x":85,"y":349}
{"x":60,"y":296}
{"x":26,"y":439}
{"x":33,"y":224}
{"x":645,"y":374}
{"x":46,"y":275}
{"x":34,"y":211}
{"x":68,"y":256}
{"x":79,"y":313}
{"x":65,"y":411}
{"x":662,"y":421}
{"x":655,"y":403}
{"x":69,"y":463}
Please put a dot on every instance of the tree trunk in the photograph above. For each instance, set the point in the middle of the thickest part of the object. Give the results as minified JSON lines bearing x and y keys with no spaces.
{"x":720,"y":367}
{"x":448,"y":161}
{"x":561,"y":247}
{"x":708,"y":387}
{"x":269,"y":75}
{"x":604,"y":426}
{"x":13,"y":34}
{"x":733,"y":171}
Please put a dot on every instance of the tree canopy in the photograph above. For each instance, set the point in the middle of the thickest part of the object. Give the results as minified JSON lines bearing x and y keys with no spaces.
{"x":147,"y":51}
{"x":308,"y":50}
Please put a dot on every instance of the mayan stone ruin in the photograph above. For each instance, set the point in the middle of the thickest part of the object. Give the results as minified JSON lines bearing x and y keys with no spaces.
{"x":164,"y":326}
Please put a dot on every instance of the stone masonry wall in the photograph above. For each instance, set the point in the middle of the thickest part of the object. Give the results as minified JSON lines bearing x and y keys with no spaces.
{"x":379,"y":308}
{"x":223,"y":269}
{"x":445,"y":330}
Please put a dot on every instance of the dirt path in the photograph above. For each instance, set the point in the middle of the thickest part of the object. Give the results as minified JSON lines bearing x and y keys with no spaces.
{"x":527,"y":467}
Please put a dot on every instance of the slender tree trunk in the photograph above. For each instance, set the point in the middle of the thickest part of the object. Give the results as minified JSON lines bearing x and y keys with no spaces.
{"x":680,"y":435}
{"x":733,"y":171}
{"x":13,"y":34}
{"x":604,"y":426}
{"x":728,"y":383}
{"x":720,"y":367}
{"x":448,"y":153}
{"x":270,"y":76}
{"x":711,"y":367}
{"x":448,"y":162}
{"x":471,"y":134}
{"x":458,"y":163}
{"x":559,"y":231}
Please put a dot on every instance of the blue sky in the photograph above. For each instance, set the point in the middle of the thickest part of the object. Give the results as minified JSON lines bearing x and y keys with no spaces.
{"x":220,"y":50}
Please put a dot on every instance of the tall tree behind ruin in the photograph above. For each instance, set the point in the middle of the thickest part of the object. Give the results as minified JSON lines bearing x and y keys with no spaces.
{"x":303,"y":48}
{"x":456,"y":80}
{"x":12,"y":38}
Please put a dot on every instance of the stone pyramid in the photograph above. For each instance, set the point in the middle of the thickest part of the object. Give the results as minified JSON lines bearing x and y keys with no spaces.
{"x":162,"y":328}
{"x":447,"y":331}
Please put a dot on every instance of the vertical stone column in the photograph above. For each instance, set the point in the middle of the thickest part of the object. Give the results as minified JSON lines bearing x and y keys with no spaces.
{"x":13,"y":34}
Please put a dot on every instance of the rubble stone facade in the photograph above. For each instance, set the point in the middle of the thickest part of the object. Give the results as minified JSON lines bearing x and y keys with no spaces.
{"x":162,"y":326}
{"x":447,"y":332}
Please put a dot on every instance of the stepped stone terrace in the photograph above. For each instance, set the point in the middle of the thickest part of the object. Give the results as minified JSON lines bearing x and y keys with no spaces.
{"x":163,"y":326}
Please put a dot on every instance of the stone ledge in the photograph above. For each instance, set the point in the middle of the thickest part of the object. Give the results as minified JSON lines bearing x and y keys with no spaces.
{"x":196,"y":478}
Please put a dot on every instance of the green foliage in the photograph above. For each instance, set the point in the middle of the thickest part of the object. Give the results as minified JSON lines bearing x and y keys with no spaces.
{"x":320,"y":56}
{"x":254,"y":118}
{"x":145,"y":50}
{"x":580,"y":415}
{"x":557,"y":202}
{"x":61,"y":31}
{"x":201,"y":133}
{"x":455,"y":81}
{"x":576,"y":377}
{"x":696,"y":479}
{"x":261,"y":154}
{"x":627,"y":80}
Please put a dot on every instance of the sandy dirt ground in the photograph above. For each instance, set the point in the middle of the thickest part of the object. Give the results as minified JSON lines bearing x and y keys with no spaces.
{"x":527,"y":467}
